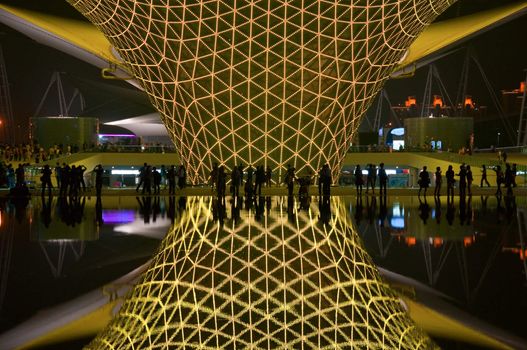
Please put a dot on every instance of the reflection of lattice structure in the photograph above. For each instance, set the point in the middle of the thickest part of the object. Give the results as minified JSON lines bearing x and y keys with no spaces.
{"x":285,"y":281}
{"x":270,"y":81}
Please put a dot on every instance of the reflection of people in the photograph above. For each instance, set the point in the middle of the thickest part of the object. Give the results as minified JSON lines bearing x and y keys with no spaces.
{"x":324,"y":208}
{"x":46,"y":211}
{"x":98,"y":211}
{"x":424,"y":210}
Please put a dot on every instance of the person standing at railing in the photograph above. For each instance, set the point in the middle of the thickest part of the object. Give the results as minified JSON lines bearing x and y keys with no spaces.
{"x":484,"y":176}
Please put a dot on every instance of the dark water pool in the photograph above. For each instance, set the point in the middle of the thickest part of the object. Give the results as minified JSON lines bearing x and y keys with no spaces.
{"x":473,"y":250}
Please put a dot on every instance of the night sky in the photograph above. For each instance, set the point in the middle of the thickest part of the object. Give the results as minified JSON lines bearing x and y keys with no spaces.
{"x":502,"y":52}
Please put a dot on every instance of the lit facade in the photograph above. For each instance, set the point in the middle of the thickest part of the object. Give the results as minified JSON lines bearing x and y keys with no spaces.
{"x":261,"y":82}
{"x":285,"y":279}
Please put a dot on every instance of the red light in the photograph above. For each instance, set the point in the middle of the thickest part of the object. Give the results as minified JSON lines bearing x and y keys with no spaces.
{"x":468,"y":102}
{"x":410,"y":241}
{"x":438,"y":101}
{"x":410,"y":101}
{"x":522,"y":86}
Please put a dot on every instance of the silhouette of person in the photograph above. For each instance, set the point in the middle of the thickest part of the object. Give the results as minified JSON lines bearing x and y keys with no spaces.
{"x":383,"y":181}
{"x":46,"y":179}
{"x":424,"y":181}
{"x":142,"y":172}
{"x":462,"y":180}
{"x":20,"y":175}
{"x":470,"y":179}
{"x":171,"y":176}
{"x":439,"y":181}
{"x":156,"y":176}
{"x":290,"y":178}
{"x":359,"y":181}
{"x":499,"y":179}
{"x":508,"y":179}
{"x":235,"y":181}
{"x":484,"y":176}
{"x":450,"y":181}
{"x":371,"y":178}
{"x":99,"y":171}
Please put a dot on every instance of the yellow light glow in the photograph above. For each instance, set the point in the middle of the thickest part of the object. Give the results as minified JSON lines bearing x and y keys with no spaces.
{"x":269,"y":82}
{"x":275,"y":282}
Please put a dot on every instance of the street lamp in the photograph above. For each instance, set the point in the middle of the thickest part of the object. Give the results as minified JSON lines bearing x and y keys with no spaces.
{"x":498,"y":141}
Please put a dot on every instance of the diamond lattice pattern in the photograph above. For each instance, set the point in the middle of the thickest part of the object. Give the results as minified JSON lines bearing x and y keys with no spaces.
{"x":263,"y":82}
{"x":279,"y":280}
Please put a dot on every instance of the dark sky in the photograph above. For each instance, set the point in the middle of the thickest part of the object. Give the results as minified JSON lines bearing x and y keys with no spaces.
{"x":502,"y":53}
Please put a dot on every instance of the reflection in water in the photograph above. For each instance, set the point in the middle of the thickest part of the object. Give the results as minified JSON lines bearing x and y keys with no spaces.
{"x":472,"y":249}
{"x":284,"y":279}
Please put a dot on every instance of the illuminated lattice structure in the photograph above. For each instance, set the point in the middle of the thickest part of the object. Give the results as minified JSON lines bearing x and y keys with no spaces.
{"x":283,"y":281}
{"x":264,"y":82}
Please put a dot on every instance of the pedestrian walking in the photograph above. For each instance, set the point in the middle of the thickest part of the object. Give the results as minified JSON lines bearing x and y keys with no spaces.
{"x":499,"y":179}
{"x":484,"y":176}
{"x":142,"y":172}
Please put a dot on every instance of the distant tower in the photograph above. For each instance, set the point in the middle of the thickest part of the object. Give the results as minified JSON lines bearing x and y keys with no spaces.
{"x":6,"y":109}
